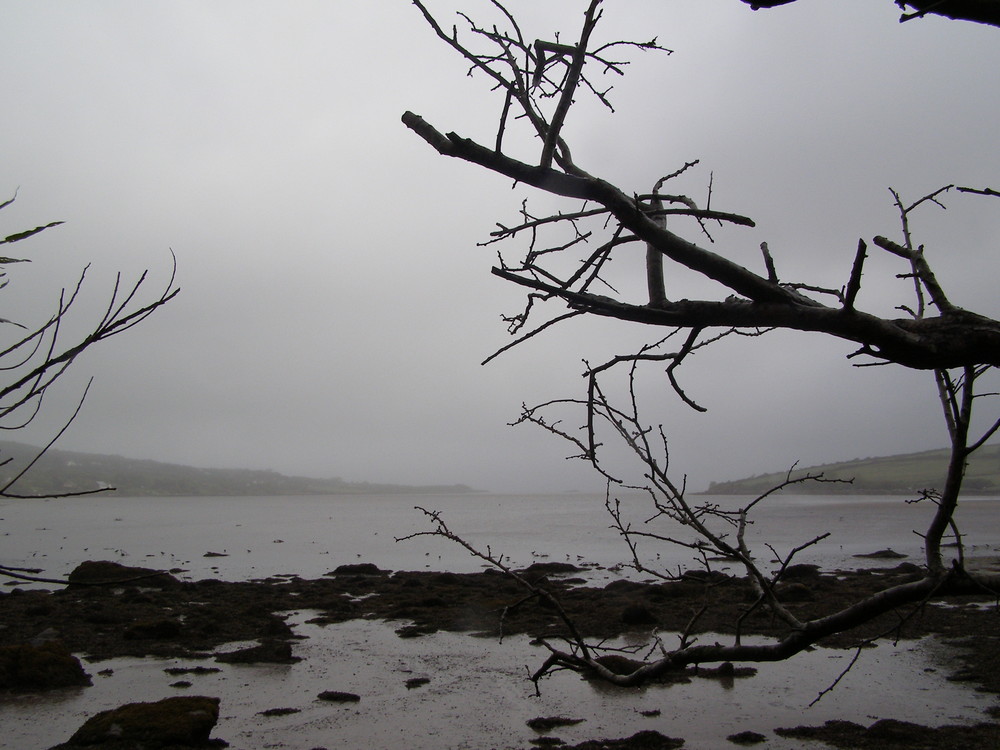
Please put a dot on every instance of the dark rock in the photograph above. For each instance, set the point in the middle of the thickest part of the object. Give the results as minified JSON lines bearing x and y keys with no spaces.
{"x":794,"y":592}
{"x":550,"y":568}
{"x":883,"y":554}
{"x":179,"y":722}
{"x":270,"y":652}
{"x":645,"y":740}
{"x":746,"y":738}
{"x":112,"y":573}
{"x":415,"y":682}
{"x":415,"y":631}
{"x":337,"y":696}
{"x":637,"y":614}
{"x":624,"y":586}
{"x":44,"y":666}
{"x":548,"y":723}
{"x":707,"y":576}
{"x":278,"y":711}
{"x":800,"y":571}
{"x":358,"y":569}
{"x":159,"y":629}
{"x":892,"y":730}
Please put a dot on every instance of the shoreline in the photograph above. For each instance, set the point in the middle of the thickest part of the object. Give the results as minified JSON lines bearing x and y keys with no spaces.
{"x":191,"y":621}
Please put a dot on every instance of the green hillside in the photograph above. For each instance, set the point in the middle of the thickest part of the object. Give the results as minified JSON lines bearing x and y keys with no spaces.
{"x":67,"y":471}
{"x":903,"y":474}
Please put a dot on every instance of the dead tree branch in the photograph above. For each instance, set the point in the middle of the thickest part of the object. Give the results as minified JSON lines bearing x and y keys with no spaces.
{"x":539,"y":82}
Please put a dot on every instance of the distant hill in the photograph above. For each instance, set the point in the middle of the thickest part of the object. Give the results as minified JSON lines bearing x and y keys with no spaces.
{"x":61,"y":471}
{"x":892,"y":475}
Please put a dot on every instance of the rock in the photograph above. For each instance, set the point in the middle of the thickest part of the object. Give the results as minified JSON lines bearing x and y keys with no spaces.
{"x":746,"y":738}
{"x":800,"y":571}
{"x":269,"y":652}
{"x":537,"y":571}
{"x":910,"y":569}
{"x":415,"y":682}
{"x":179,"y":722}
{"x":646,"y":740}
{"x":637,"y":614}
{"x":546,"y":724}
{"x":112,"y":573}
{"x":892,"y":730}
{"x":44,"y":666}
{"x":706,"y":576}
{"x":160,"y":629}
{"x":883,"y":554}
{"x":415,"y":631}
{"x":278,"y":711}
{"x":337,"y":696}
{"x":794,"y":592}
{"x":357,"y":569}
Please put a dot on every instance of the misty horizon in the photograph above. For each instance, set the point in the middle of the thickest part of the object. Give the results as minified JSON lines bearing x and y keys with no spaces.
{"x":335,"y":306}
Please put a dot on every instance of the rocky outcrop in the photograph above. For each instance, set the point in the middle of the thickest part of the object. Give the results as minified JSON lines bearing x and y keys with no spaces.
{"x":93,"y":572}
{"x":268,"y":652}
{"x":40,"y":666}
{"x":180,"y":722}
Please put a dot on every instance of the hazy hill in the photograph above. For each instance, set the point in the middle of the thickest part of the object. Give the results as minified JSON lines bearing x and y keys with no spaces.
{"x":890,"y":475}
{"x":67,"y":471}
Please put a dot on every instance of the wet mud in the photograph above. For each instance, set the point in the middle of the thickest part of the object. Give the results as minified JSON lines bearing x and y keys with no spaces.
{"x":131,"y":613}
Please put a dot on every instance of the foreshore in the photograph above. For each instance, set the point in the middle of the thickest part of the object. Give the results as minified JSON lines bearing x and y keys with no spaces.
{"x":167,"y":618}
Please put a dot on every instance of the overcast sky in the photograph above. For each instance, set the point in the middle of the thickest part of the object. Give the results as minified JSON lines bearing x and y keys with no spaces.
{"x":335,"y":305}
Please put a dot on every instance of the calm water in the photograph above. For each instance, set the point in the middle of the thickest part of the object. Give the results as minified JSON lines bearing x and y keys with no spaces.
{"x":478,"y":696}
{"x":309,"y":536}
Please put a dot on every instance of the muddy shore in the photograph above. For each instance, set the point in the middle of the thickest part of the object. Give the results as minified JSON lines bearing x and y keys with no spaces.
{"x":165,"y":617}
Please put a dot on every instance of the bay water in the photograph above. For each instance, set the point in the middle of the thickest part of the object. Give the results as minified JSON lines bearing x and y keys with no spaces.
{"x":478,"y":696}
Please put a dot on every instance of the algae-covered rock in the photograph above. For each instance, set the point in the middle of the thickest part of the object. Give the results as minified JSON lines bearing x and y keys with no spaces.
{"x":43,"y":666}
{"x":112,"y":573}
{"x":179,"y":722}
{"x":268,"y":652}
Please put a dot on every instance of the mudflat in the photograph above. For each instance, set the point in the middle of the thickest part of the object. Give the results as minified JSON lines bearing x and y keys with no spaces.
{"x":114,"y":611}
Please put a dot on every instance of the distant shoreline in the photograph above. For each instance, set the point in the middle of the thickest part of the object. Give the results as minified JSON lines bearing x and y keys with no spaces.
{"x":904,"y":474}
{"x":60,"y":472}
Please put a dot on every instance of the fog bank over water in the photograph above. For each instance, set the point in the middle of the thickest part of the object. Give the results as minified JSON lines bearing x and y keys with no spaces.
{"x":335,"y":306}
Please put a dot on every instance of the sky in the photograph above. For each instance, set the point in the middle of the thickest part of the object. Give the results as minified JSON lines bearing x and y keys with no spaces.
{"x":335,"y":304}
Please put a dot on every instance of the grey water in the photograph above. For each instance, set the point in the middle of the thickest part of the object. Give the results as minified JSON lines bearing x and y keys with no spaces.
{"x":256,"y":537}
{"x":478,"y":696}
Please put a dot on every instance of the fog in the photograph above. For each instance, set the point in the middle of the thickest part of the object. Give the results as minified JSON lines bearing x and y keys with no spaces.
{"x":335,"y":306}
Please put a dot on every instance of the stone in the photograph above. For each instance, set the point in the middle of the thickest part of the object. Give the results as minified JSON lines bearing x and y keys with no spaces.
{"x":268,"y":652}
{"x":44,"y":666}
{"x":159,"y":629}
{"x":178,"y":722}
{"x":637,"y":614}
{"x":357,"y":569}
{"x":338,"y":696}
{"x":112,"y":573}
